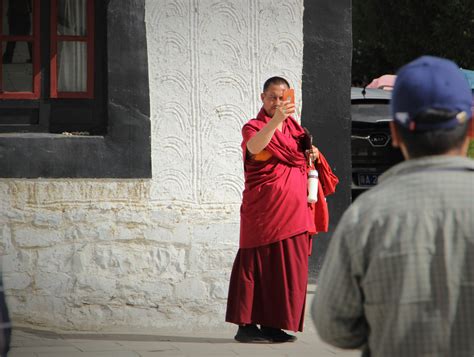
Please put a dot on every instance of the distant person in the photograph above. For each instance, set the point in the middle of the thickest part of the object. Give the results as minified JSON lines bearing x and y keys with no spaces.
{"x":5,"y":327}
{"x":267,"y":291}
{"x":19,"y":24}
{"x":398,"y":277}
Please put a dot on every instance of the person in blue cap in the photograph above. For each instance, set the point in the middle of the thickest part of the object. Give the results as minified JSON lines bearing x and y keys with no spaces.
{"x":398,"y":277}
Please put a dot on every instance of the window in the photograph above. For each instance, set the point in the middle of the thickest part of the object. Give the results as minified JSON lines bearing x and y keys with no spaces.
{"x":20,"y":68}
{"x":120,"y":99}
{"x":72,"y":49}
{"x":52,"y":73}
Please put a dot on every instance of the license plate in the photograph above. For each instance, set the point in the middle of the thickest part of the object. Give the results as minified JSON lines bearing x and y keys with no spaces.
{"x":368,"y":180}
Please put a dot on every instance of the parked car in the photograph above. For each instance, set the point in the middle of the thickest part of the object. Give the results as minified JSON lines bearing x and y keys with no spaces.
{"x":371,"y":144}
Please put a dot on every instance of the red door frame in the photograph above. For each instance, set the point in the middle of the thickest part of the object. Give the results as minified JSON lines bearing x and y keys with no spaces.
{"x":89,"y":39}
{"x":35,"y":39}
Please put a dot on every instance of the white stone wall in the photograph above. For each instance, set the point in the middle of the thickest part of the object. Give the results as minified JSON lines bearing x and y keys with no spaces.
{"x":111,"y":254}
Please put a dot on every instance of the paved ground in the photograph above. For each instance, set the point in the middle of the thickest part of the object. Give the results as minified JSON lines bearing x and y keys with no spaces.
{"x":30,"y":343}
{"x":34,"y":343}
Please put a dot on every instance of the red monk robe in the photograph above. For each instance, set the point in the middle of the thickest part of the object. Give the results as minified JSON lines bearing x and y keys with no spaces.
{"x":270,"y":273}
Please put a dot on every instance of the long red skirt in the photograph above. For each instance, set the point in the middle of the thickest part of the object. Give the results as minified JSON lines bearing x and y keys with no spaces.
{"x":268,"y":284}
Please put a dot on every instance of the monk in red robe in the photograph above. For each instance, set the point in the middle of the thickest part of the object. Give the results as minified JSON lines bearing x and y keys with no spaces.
{"x":270,"y":273}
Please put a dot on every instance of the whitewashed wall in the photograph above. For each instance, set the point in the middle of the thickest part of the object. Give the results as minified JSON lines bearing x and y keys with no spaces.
{"x":108,"y":254}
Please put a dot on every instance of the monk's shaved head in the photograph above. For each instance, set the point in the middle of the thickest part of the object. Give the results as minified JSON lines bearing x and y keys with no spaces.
{"x":275,"y":80}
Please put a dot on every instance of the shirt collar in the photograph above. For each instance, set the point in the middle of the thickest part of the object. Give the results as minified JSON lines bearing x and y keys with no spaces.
{"x":427,"y":163}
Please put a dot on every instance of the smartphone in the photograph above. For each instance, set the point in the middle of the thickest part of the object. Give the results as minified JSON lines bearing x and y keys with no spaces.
{"x":289,"y":94}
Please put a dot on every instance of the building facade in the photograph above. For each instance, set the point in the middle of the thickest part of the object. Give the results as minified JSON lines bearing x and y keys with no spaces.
{"x":137,"y":225}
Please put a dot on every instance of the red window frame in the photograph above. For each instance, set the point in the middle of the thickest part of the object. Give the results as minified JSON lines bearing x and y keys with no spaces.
{"x":89,"y":39}
{"x":34,"y":38}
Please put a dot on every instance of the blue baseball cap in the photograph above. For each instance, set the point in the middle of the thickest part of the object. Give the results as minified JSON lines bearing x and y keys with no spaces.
{"x":431,"y":83}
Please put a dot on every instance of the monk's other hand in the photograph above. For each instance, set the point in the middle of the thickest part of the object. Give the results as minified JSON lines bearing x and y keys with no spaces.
{"x":314,"y":154}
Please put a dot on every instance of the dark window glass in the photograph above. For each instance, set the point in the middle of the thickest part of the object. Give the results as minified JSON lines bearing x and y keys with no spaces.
{"x":53,"y":65}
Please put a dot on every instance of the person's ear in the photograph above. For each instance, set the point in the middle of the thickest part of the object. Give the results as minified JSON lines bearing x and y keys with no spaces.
{"x":262,"y":96}
{"x":395,"y":136}
{"x":465,"y":145}
{"x":397,"y":142}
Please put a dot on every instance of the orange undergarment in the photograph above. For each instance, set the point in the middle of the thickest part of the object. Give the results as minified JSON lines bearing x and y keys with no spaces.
{"x":263,"y":155}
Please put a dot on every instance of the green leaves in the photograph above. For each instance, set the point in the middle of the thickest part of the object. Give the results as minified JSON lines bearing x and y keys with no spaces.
{"x":388,"y":34}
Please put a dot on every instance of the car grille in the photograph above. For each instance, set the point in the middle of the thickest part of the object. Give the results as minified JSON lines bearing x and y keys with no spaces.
{"x":371,"y":146}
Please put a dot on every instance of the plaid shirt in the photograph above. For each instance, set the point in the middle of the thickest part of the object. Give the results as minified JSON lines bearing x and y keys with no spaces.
{"x":398,"y":277}
{"x":5,"y":326}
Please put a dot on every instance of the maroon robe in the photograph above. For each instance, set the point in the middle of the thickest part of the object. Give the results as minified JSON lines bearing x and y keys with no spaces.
{"x":274,"y":203}
{"x":268,"y":284}
{"x":270,"y":273}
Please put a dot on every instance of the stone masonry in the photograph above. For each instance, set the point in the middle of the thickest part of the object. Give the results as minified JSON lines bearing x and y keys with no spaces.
{"x":103,"y":254}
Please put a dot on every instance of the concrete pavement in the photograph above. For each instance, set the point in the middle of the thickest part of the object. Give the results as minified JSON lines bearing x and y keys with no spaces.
{"x":36,"y":343}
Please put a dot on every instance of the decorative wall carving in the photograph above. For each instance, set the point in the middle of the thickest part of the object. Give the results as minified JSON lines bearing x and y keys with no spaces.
{"x":208,"y":61}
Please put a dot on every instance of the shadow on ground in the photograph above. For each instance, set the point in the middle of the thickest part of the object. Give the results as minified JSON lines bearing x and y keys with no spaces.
{"x":122,"y":337}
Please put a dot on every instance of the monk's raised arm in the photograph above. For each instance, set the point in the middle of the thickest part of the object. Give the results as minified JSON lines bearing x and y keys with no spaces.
{"x":261,"y":139}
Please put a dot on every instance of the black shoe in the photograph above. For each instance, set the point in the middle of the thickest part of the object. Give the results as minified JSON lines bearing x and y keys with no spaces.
{"x":250,"y":334}
{"x":277,"y":335}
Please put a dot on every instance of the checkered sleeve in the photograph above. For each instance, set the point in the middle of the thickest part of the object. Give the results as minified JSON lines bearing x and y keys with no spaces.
{"x":338,"y":305}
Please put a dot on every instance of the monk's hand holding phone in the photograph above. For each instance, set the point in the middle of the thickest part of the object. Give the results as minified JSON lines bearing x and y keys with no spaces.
{"x":287,"y":106}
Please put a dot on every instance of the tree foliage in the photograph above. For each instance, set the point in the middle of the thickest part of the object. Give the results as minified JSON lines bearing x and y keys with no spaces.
{"x":390,"y":33}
